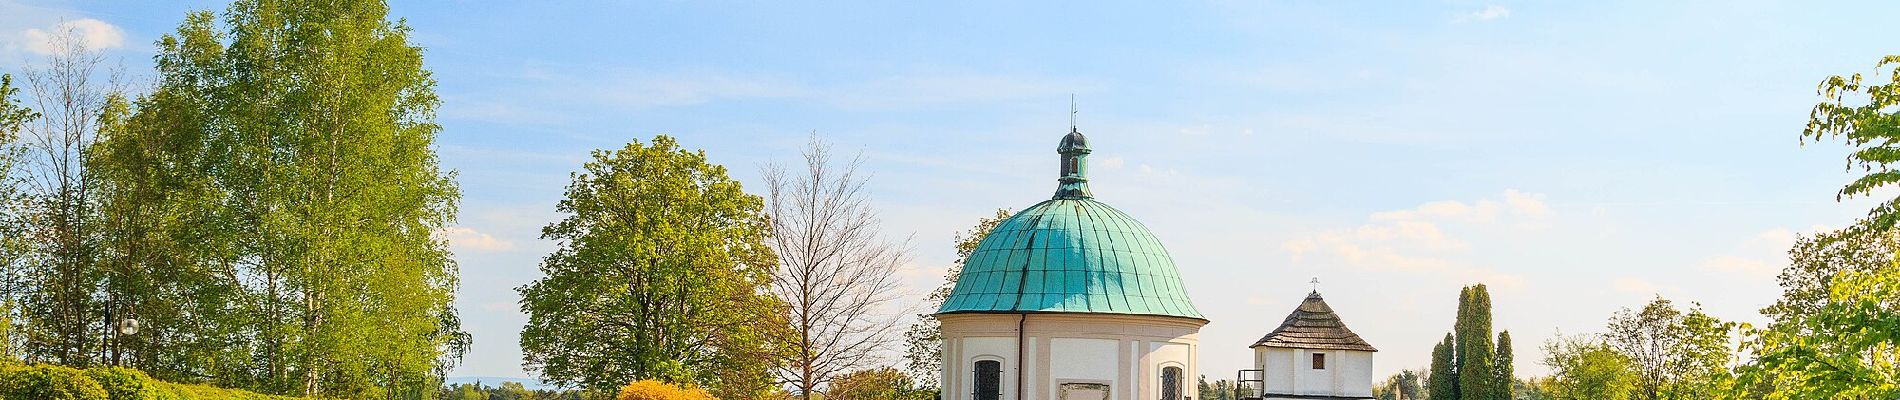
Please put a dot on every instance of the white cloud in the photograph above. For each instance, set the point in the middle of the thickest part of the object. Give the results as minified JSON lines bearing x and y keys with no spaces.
{"x":1112,"y":163}
{"x":1515,"y":204}
{"x":1487,"y":14}
{"x":1417,"y":240}
{"x":463,"y":238}
{"x":1760,"y":256}
{"x":91,"y":33}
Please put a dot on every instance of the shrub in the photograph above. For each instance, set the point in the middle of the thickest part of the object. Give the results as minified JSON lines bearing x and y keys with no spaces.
{"x":656,"y":390}
{"x":48,"y":382}
{"x":54,"y":382}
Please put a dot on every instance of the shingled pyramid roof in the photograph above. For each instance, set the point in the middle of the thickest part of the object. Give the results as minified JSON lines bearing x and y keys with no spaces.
{"x":1314,"y":326}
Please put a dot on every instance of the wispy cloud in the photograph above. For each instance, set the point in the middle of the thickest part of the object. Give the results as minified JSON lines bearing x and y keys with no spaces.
{"x":467,"y":239}
{"x":1760,"y":256}
{"x":1487,"y":14}
{"x":91,"y":33}
{"x":1415,"y":240}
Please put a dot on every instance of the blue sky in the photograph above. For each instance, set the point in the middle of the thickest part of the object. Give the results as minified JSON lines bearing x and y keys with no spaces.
{"x":1579,"y":157}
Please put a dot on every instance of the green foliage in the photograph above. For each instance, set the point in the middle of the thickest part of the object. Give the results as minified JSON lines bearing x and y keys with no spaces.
{"x":1869,"y":125}
{"x":14,"y":242}
{"x":504,"y":391}
{"x":877,"y":384}
{"x":1477,"y":358}
{"x":659,"y":275}
{"x":923,"y":350}
{"x":1676,"y":355}
{"x":1443,"y":381}
{"x":1505,"y":379}
{"x":1465,"y":366}
{"x":1403,"y":384}
{"x":269,"y":210}
{"x":1836,"y":329}
{"x":54,"y":382}
{"x":50,"y":382}
{"x":1586,"y":368}
{"x":1221,"y":389}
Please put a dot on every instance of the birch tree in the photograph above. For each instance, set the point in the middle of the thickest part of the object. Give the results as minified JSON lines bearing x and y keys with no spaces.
{"x":70,"y":91}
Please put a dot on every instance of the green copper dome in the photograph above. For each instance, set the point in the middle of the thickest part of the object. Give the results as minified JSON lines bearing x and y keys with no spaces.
{"x":1070,"y":254}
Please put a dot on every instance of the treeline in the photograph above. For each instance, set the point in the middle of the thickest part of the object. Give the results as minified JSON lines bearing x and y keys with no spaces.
{"x":1833,"y":334}
{"x":262,"y":217}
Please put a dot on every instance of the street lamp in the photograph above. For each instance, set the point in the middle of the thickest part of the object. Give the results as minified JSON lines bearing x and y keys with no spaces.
{"x":128,"y":327}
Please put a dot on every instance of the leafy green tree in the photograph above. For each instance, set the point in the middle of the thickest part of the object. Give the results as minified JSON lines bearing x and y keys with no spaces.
{"x":306,"y":133}
{"x":1831,"y":334}
{"x":1401,"y":385}
{"x":1586,"y":368}
{"x":14,"y":242}
{"x":1443,"y":381}
{"x":877,"y":384}
{"x":1867,"y":125}
{"x":660,"y":274}
{"x":1677,"y":355}
{"x":923,"y":350}
{"x":1834,"y":333}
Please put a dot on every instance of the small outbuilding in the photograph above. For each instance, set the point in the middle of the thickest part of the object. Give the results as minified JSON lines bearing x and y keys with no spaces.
{"x":1310,"y":356}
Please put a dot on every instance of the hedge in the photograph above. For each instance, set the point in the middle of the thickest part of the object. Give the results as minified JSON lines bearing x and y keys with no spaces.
{"x":54,"y":382}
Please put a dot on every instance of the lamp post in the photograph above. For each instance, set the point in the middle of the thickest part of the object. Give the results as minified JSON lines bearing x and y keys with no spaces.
{"x":115,"y":330}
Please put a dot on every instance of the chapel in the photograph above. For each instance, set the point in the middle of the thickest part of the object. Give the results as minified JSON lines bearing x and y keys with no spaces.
{"x":1069,"y":299}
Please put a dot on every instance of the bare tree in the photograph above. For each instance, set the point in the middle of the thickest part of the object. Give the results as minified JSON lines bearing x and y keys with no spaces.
{"x":836,"y":272}
{"x":71,"y":99}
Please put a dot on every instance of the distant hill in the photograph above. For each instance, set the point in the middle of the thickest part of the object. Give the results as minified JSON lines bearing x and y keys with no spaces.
{"x":529,"y":383}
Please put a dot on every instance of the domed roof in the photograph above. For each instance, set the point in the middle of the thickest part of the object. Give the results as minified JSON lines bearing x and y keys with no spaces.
{"x":1070,"y":254}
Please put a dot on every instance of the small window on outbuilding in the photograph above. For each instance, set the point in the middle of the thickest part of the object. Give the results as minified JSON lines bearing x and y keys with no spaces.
{"x":1319,"y":360}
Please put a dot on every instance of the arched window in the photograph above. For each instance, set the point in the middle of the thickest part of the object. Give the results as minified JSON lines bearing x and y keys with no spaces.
{"x":1171,"y":383}
{"x":989,"y":380}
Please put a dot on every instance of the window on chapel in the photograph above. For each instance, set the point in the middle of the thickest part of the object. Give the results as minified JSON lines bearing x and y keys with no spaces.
{"x":989,"y":380}
{"x":1171,"y":383}
{"x":1319,"y":360}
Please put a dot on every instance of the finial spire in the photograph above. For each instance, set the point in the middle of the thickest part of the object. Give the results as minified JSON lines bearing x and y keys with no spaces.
{"x":1072,"y":112}
{"x":1315,"y":283}
{"x":1074,"y":183}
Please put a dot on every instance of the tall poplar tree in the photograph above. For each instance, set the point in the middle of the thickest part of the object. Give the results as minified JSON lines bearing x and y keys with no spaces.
{"x":1505,"y":372}
{"x":1443,"y":382}
{"x":1466,"y":365}
{"x":1476,"y":355}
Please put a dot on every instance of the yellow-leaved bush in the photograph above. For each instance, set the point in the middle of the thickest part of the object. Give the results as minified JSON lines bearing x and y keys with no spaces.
{"x":656,"y":390}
